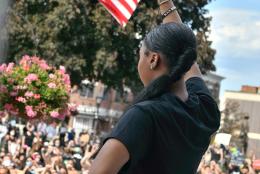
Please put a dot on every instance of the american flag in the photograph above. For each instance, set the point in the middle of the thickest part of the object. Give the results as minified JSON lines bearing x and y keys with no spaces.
{"x":121,"y":10}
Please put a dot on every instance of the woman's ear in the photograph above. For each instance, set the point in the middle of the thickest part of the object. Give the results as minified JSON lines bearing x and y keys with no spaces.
{"x":154,"y":60}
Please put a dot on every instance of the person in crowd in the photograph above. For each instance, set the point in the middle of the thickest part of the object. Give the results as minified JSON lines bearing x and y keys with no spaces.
{"x":86,"y":161}
{"x":3,"y":130}
{"x":51,"y":131}
{"x":245,"y":170}
{"x":41,"y":127}
{"x":4,"y":170}
{"x":63,"y":131}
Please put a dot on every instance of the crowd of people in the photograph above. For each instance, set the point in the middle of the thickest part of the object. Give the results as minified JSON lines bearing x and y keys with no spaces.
{"x":57,"y":149}
{"x":220,"y":159}
{"x":45,"y":149}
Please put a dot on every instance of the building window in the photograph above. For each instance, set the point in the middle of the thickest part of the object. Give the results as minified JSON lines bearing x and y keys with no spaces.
{"x":106,"y":93}
{"x":126,"y":97}
{"x":87,"y":90}
{"x":122,"y":96}
{"x":119,"y":97}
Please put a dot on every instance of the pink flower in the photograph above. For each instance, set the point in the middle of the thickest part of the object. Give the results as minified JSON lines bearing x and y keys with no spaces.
{"x":30,"y":112}
{"x":2,"y":113}
{"x":24,"y":60}
{"x":13,"y":93}
{"x":44,"y":66}
{"x":72,"y":107}
{"x":41,"y":63}
{"x":26,"y":67}
{"x":62,"y":115}
{"x":52,"y":76}
{"x":8,"y":106}
{"x":62,"y":69}
{"x":42,"y":105}
{"x":35,"y":59}
{"x":14,"y":112}
{"x":10,"y":80}
{"x":37,"y":96}
{"x":29,"y":94}
{"x":2,"y":67}
{"x":3,"y":89}
{"x":54,"y":114}
{"x":30,"y":78}
{"x":66,"y":79}
{"x":10,"y":67}
{"x":52,"y":85}
{"x":21,"y":99}
{"x":28,"y":107}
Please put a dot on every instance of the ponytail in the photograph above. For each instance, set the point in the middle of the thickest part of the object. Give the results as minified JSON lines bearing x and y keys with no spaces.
{"x":177,"y":44}
{"x":184,"y":63}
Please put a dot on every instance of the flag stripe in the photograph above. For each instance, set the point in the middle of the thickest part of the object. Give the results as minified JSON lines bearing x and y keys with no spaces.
{"x":127,"y":6}
{"x":114,"y":11}
{"x":121,"y":8}
{"x":135,"y":1}
{"x":131,"y":3}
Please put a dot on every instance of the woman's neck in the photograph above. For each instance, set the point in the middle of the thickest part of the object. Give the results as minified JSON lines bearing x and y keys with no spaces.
{"x":179,"y":89}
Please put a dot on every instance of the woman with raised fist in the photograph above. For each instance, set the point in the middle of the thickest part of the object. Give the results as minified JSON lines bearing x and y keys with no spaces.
{"x":169,"y":126}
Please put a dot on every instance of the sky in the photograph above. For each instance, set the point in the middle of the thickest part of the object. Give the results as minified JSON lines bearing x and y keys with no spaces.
{"x":235,"y":32}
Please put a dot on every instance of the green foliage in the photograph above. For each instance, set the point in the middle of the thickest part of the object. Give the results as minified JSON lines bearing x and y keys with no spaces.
{"x":84,"y":37}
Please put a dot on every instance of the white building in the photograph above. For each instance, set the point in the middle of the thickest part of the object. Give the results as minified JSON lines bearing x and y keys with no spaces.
{"x":249,"y":102}
{"x":213,"y":82}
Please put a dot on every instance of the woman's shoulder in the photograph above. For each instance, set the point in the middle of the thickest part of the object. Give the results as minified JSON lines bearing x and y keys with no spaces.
{"x":147,"y":103}
{"x":149,"y":106}
{"x":153,"y":108}
{"x":140,"y":108}
{"x":141,"y":112}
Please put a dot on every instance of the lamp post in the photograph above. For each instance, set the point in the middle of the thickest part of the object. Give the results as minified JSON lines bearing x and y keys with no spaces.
{"x":96,"y":118}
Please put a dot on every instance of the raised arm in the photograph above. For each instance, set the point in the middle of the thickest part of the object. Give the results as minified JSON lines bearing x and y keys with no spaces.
{"x":173,"y":16}
{"x":165,"y":5}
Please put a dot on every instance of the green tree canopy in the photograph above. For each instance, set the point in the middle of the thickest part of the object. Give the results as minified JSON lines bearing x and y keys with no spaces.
{"x":84,"y":37}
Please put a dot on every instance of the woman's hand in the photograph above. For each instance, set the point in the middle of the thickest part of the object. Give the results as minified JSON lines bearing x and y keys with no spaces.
{"x":161,"y":1}
{"x":173,"y":16}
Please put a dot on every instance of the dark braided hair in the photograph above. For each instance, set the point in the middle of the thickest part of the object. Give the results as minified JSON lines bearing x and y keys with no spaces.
{"x":176,"y":43}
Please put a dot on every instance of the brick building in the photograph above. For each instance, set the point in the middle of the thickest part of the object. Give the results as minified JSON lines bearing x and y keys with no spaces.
{"x":99,"y":107}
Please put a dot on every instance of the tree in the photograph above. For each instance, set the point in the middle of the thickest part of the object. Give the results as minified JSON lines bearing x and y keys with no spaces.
{"x":235,"y":123}
{"x":85,"y":38}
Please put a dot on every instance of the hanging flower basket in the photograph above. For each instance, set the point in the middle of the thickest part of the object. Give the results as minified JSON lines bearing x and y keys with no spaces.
{"x":33,"y":90}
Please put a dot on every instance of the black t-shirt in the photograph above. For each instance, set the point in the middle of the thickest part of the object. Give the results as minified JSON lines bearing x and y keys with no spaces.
{"x":166,"y":135}
{"x":29,"y":138}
